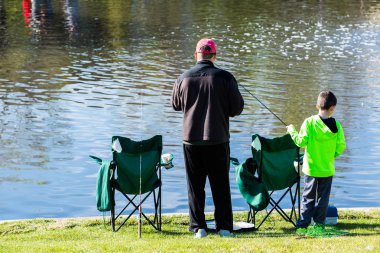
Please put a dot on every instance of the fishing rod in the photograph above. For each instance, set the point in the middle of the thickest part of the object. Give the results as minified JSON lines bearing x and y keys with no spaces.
{"x":263,"y":104}
{"x":140,"y":182}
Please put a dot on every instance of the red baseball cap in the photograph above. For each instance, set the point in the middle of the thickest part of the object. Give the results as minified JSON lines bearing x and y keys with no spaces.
{"x":206,"y":46}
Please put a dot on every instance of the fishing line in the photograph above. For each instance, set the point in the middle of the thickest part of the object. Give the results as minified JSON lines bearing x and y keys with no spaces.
{"x":263,"y":104}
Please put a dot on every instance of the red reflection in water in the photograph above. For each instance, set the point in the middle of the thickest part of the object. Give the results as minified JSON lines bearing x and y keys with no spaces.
{"x":27,"y":8}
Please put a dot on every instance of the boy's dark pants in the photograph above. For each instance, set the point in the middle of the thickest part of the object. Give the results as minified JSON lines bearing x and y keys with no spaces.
{"x":210,"y":161}
{"x":316,"y":191}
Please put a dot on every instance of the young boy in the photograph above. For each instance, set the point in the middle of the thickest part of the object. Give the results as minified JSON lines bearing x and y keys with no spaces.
{"x":323,"y":139}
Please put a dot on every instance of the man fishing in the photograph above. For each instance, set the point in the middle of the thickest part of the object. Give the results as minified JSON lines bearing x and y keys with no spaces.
{"x":207,"y":96}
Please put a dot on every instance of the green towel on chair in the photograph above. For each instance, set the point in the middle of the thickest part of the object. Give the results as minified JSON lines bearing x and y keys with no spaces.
{"x":103,"y":187}
{"x":253,"y":191}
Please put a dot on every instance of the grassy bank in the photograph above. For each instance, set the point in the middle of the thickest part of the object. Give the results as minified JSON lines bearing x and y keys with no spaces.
{"x":92,"y":235}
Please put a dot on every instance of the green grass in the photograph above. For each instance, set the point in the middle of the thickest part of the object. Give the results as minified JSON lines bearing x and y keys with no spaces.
{"x":92,"y":235}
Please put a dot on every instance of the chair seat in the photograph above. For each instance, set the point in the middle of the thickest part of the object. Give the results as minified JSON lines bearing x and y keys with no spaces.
{"x":153,"y":186}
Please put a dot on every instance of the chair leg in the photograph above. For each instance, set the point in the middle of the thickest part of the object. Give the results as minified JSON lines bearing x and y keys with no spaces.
{"x":113,"y":210}
{"x":156,"y":222}
{"x":159,"y":210}
{"x":299,"y":198}
{"x":113,"y":219}
{"x":249,"y":217}
{"x":155,"y":200}
{"x":275,"y":206}
{"x":252,"y":217}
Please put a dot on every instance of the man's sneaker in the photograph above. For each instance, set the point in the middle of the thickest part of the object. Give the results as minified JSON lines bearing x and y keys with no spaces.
{"x":225,"y":233}
{"x":200,"y":233}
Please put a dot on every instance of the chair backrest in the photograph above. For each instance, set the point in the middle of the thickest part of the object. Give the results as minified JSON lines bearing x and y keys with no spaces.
{"x":275,"y":159}
{"x":130,"y":156}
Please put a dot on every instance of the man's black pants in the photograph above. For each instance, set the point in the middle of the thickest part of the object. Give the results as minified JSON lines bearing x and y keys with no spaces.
{"x":210,"y":161}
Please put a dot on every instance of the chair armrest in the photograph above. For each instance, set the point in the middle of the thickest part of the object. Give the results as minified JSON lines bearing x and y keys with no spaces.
{"x":167,"y":161}
{"x":97,"y":159}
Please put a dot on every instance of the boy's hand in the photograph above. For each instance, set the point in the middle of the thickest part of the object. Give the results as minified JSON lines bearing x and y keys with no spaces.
{"x":290,"y":128}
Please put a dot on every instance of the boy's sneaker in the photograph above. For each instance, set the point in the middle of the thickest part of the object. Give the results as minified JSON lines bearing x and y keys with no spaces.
{"x":301,"y":231}
{"x":225,"y":233}
{"x":319,"y":227}
{"x":201,"y":233}
{"x":317,"y":230}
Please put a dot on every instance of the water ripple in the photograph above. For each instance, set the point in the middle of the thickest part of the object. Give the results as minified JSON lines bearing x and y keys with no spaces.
{"x":70,"y":81}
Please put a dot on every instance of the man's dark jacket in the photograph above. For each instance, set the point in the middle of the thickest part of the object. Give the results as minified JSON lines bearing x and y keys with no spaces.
{"x":207,"y":96}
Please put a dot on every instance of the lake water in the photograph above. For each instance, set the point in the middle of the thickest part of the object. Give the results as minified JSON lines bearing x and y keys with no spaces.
{"x":74,"y":73}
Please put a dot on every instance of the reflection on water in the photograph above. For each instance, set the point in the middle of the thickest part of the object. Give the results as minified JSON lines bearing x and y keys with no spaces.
{"x":74,"y":73}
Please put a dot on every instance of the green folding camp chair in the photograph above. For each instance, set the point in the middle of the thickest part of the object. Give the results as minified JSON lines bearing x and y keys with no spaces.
{"x":135,"y":170}
{"x":276,"y":162}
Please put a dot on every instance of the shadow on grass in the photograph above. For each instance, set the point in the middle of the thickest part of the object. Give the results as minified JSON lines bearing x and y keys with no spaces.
{"x":355,"y":226}
{"x":177,"y":233}
{"x":291,"y":231}
{"x":358,"y":226}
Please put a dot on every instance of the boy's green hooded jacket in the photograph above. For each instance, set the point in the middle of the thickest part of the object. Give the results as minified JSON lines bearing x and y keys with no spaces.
{"x":321,"y":146}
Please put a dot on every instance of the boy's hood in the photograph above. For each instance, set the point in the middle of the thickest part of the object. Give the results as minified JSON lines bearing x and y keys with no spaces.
{"x":323,"y":132}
